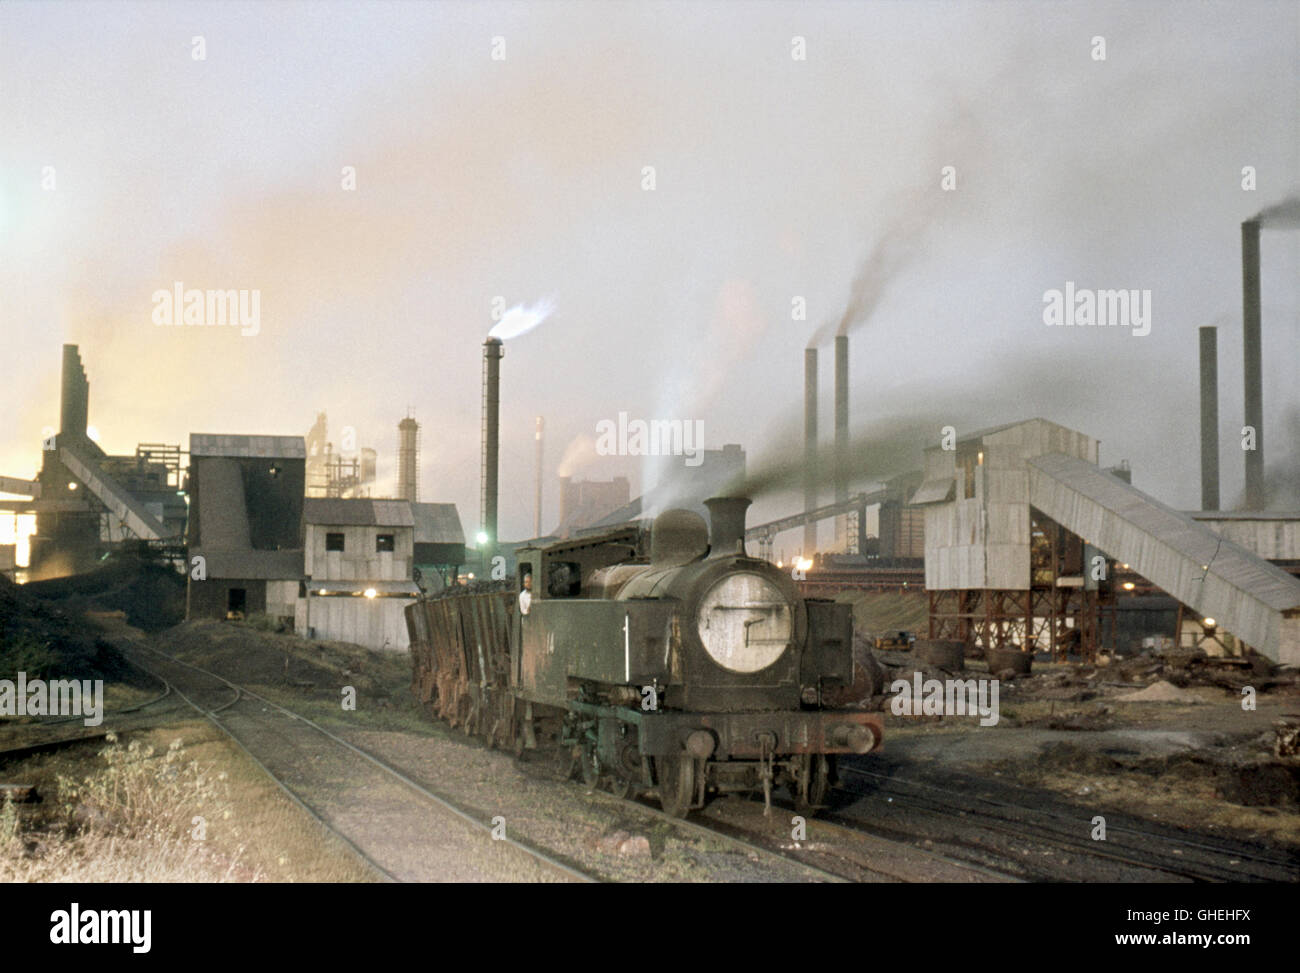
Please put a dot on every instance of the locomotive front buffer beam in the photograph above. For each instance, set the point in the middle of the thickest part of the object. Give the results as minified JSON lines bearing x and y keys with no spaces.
{"x":751,"y":736}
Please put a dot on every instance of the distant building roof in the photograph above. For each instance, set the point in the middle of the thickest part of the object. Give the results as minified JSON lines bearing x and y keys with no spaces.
{"x":990,"y":430}
{"x":270,"y":447}
{"x":934,"y":491}
{"x":977,"y":434}
{"x":357,"y":512}
{"x":1243,"y":514}
{"x":437,"y":523}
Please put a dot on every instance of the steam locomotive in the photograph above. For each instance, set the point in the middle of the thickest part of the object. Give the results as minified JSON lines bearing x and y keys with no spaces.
{"x":664,"y":660}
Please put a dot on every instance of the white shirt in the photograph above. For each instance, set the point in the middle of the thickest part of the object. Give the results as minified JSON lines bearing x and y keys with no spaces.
{"x":525,"y":601}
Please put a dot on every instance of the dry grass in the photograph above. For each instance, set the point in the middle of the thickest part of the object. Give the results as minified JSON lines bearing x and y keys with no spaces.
{"x":157,"y":809}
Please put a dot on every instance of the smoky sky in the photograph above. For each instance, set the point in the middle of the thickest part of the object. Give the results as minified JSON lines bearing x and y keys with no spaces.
{"x":677,"y":184}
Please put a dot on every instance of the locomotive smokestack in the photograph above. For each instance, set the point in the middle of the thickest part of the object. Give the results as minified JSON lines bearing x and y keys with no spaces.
{"x":493,"y":350}
{"x":1254,"y":412}
{"x":727,"y":525}
{"x":1209,"y":419}
{"x":841,"y":432}
{"x":809,"y":446}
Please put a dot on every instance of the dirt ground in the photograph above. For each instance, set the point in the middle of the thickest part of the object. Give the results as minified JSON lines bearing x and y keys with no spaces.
{"x":1192,"y":756}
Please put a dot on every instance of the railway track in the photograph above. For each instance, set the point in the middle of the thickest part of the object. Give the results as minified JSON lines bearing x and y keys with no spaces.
{"x":242,"y":718}
{"x":1041,"y":828}
{"x":112,"y":722}
{"x":849,"y":854}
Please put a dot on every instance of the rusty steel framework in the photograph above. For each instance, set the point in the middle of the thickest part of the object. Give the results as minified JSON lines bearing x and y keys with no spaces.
{"x":1061,"y":619}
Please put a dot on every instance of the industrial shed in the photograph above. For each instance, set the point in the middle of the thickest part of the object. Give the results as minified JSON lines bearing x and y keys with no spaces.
{"x":439,"y":544}
{"x":995,"y":575}
{"x":977,"y":531}
{"x":1270,"y":535}
{"x":246,"y":495}
{"x":358,"y":561}
{"x":1254,"y":600}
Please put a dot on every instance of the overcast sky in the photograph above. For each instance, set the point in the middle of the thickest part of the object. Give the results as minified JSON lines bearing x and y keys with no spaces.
{"x":523,"y":178}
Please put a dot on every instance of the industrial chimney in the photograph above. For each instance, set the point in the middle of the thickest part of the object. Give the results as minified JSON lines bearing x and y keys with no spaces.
{"x":408,"y":459}
{"x":74,"y":401}
{"x":841,"y":435}
{"x":1209,"y":419}
{"x":493,"y":351}
{"x":809,"y":447}
{"x":1254,"y":411}
{"x":537,"y":501}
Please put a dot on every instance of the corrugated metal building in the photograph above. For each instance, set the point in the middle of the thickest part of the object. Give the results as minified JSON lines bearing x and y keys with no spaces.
{"x":976,"y":499}
{"x":439,"y":544}
{"x":246,"y":495}
{"x":1256,"y":601}
{"x":359,"y":561}
{"x":1275,"y":536}
{"x":1019,"y":519}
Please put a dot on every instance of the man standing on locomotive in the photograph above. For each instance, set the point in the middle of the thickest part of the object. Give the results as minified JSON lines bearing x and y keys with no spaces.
{"x":526,"y":596}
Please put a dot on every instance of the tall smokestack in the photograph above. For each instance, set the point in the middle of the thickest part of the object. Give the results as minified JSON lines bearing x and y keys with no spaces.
{"x":841,"y":434}
{"x":537,"y":500}
{"x":1254,"y":413}
{"x":1209,"y":419}
{"x":74,"y":400}
{"x":809,"y":446}
{"x":493,"y":350}
{"x":408,"y":459}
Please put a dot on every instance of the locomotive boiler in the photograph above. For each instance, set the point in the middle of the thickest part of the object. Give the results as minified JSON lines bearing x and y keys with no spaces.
{"x":665,"y":660}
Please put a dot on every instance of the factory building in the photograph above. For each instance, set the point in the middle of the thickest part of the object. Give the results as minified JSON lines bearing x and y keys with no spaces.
{"x":246,"y":503}
{"x":682,"y":484}
{"x":439,"y":545}
{"x":587,"y":502}
{"x":85,"y":500}
{"x":901,"y":526}
{"x":359,"y":557}
{"x":1023,"y":534}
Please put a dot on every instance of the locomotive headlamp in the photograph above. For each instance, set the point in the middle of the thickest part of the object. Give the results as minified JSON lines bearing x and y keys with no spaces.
{"x":745,"y":622}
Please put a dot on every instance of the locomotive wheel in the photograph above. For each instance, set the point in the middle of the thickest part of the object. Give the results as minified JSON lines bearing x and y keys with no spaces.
{"x":586,"y":761}
{"x":517,"y":744}
{"x":619,"y":786}
{"x":815,"y":769}
{"x":676,"y":776}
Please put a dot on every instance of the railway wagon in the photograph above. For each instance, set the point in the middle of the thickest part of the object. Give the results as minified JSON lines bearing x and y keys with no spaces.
{"x":663,"y":660}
